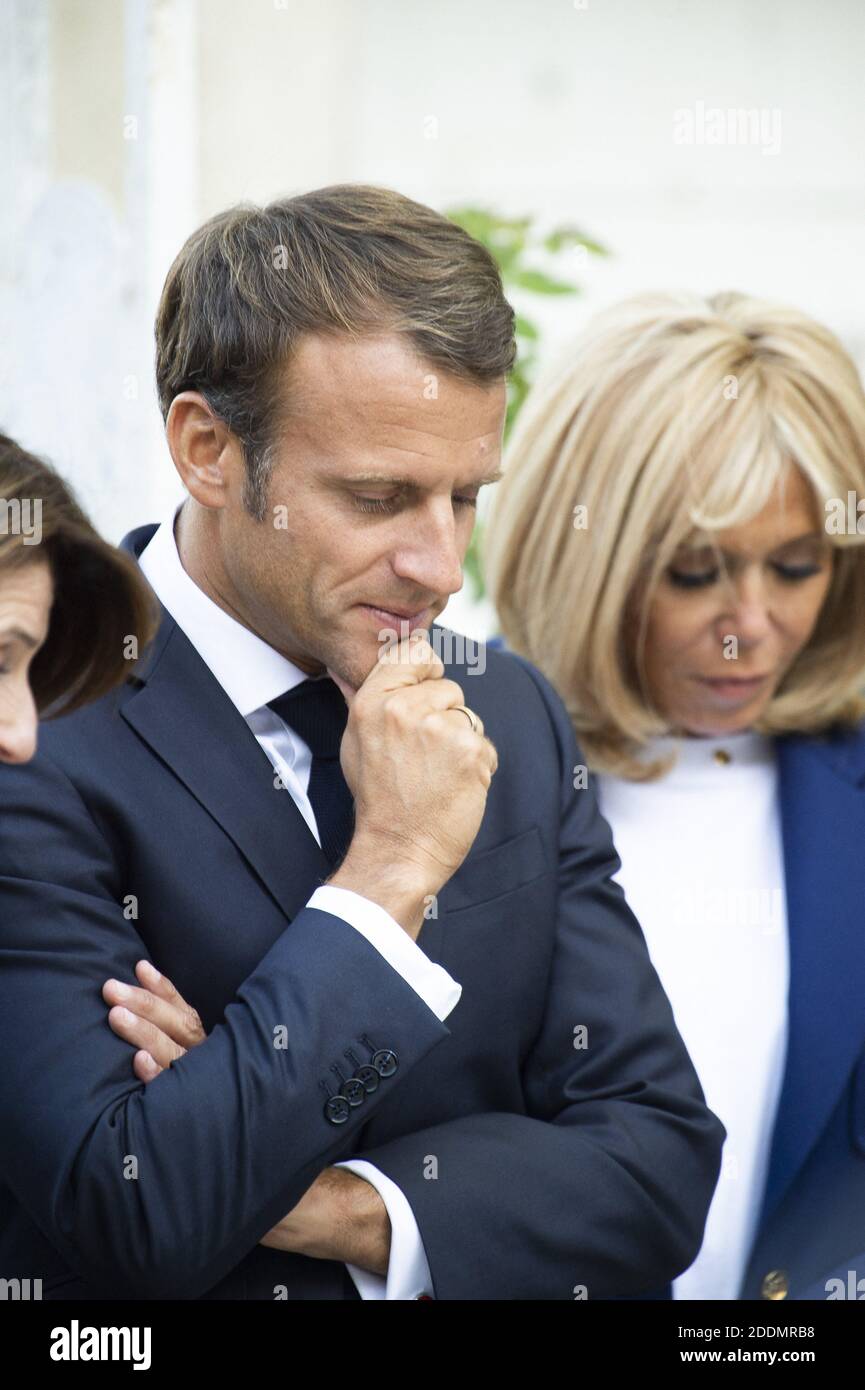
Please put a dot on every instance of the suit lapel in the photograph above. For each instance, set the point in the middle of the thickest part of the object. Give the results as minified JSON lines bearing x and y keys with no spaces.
{"x":822,"y":803}
{"x":181,"y":711}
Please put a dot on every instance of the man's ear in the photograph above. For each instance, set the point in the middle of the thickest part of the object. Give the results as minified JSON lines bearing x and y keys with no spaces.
{"x":205,"y":452}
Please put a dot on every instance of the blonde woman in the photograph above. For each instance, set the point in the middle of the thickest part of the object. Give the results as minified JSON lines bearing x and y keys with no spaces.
{"x":677,"y":545}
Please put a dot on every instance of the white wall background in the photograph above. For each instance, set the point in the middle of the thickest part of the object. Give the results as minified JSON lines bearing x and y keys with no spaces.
{"x":123,"y":123}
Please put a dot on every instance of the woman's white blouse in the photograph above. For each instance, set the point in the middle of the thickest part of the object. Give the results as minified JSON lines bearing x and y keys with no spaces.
{"x":703,"y":872}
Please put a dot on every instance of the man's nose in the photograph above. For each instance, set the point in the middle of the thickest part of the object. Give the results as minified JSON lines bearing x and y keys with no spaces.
{"x":431,"y":556}
{"x":19,"y":723}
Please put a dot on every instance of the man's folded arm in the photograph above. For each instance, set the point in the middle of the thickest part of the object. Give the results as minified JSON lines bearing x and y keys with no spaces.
{"x":602,"y":1188}
{"x":408,"y":1274}
{"x":431,"y":981}
{"x":161,"y":1190}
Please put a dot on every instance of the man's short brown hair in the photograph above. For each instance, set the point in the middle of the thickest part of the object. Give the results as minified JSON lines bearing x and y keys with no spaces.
{"x":350,"y":259}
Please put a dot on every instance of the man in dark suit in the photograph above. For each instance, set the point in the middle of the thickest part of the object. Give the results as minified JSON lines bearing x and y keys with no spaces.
{"x":332,"y":372}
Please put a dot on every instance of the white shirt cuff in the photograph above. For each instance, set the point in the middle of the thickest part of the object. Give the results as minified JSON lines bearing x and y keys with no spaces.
{"x":439,"y":991}
{"x":408,"y":1274}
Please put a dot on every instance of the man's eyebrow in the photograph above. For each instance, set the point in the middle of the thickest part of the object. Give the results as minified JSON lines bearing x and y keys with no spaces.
{"x":388,"y":479}
{"x":18,"y":634}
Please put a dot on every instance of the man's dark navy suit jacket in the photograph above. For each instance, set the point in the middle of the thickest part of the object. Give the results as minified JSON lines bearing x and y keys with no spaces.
{"x":148,"y":825}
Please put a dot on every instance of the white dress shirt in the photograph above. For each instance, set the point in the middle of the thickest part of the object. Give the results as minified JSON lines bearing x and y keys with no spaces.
{"x":703,"y":871}
{"x":252,"y":673}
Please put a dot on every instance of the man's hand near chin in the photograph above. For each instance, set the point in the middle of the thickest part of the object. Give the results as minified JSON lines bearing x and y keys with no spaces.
{"x":340,"y":1217}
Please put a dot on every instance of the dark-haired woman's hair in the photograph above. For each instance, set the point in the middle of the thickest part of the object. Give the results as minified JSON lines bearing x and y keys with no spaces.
{"x":101,"y":600}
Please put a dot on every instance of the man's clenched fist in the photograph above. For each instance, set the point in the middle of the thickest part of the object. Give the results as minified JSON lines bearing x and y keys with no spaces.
{"x":419,"y":774}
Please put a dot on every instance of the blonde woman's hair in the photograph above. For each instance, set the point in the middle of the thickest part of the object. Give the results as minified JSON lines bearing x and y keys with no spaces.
{"x":672,"y":416}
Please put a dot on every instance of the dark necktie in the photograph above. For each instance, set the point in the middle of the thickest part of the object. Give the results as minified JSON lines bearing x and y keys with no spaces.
{"x":317,"y":712}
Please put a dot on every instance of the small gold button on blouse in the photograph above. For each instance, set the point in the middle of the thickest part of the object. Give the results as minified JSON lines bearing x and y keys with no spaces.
{"x":722,"y":756}
{"x":775,"y":1285}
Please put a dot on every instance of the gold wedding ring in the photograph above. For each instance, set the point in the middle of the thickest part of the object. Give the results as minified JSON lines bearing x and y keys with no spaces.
{"x":471,"y":716}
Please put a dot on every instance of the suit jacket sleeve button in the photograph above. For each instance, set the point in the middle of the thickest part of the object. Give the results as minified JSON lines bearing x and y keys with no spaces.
{"x":775,"y":1285}
{"x":353,"y":1090}
{"x":337,"y":1110}
{"x":384,"y":1061}
{"x":368,"y":1078}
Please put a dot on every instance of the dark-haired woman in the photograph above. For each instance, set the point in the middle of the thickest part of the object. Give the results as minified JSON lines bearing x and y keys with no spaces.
{"x":74,"y":611}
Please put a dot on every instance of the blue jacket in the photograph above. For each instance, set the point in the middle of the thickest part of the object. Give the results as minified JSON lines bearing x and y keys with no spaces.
{"x":812,"y":1222}
{"x":148,"y":825}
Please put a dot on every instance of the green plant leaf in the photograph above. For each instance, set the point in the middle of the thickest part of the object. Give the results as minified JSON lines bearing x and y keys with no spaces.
{"x":510,"y":240}
{"x":562,"y":238}
{"x":525,"y":328}
{"x":541,"y":283}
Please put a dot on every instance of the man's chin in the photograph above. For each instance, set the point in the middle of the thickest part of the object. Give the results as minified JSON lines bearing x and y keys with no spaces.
{"x":360,"y":653}
{"x":353,"y":663}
